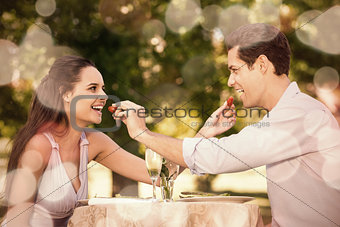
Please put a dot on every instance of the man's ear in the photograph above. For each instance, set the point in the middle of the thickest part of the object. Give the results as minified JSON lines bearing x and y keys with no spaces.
{"x":263,"y":63}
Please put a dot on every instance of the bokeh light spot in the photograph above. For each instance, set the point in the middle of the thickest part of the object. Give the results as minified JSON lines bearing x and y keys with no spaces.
{"x":154,"y":41}
{"x":32,"y":160}
{"x":291,"y":165}
{"x":32,"y":56}
{"x":52,"y":189}
{"x":265,"y":12}
{"x":320,"y":30}
{"x":153,"y":28}
{"x":124,"y":16}
{"x":330,"y":171}
{"x":134,"y":211}
{"x":233,"y":17}
{"x":23,"y":186}
{"x":313,"y":121}
{"x":41,"y":216}
{"x":19,"y":209}
{"x":326,"y":79}
{"x":45,"y":8}
{"x":328,"y":136}
{"x":210,"y":17}
{"x":8,"y":51}
{"x":71,"y":170}
{"x":182,"y":15}
{"x":129,"y":190}
{"x":179,"y":212}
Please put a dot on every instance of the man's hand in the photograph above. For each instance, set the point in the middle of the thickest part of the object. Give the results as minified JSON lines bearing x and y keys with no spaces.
{"x":132,"y":115}
{"x":220,"y":121}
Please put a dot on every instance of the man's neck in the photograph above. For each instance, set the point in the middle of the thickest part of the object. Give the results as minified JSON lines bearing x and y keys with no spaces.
{"x":276,"y":86}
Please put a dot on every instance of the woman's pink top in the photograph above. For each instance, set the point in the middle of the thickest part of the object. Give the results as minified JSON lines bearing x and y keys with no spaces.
{"x":56,"y":197}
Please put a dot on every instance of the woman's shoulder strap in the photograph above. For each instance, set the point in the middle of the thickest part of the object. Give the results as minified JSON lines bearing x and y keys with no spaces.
{"x":51,"y":139}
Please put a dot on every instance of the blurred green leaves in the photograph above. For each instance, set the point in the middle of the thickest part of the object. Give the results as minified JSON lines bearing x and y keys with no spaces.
{"x":169,"y":70}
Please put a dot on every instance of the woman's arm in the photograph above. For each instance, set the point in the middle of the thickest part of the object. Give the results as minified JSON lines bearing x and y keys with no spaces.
{"x":111,"y":155}
{"x":24,"y":180}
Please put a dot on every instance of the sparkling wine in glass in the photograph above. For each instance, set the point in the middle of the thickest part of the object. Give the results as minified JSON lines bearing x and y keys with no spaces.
{"x":154,"y":166}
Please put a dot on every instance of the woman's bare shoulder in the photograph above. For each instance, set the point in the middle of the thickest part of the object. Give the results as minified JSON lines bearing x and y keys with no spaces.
{"x":40,"y":144}
{"x":99,"y":143}
{"x":98,"y":138}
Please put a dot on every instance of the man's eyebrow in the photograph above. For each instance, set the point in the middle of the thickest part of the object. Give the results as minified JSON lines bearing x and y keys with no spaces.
{"x":234,"y":67}
{"x":231,"y":67}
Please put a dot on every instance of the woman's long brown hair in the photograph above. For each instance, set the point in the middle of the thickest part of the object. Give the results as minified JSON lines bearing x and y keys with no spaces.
{"x":47,"y":108}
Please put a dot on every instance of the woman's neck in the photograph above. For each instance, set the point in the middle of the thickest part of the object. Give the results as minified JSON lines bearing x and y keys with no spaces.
{"x":68,"y":138}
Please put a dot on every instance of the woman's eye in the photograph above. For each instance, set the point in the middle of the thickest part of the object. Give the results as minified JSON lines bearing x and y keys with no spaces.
{"x":92,"y":88}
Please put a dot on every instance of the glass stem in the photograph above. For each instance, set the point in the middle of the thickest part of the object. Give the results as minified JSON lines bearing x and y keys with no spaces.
{"x":153,"y":188}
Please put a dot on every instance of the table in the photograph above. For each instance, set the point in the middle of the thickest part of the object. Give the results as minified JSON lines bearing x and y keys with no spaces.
{"x":163,"y":214}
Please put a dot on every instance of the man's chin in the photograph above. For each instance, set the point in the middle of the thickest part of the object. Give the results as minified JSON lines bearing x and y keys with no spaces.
{"x":247,"y":105}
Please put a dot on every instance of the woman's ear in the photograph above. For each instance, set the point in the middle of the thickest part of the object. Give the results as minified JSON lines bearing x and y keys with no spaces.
{"x":67,"y":96}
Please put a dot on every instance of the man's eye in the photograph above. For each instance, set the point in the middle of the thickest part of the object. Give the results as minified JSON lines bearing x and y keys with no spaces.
{"x":234,"y":71}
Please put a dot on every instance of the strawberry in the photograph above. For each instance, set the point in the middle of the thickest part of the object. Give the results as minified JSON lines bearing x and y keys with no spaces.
{"x":230,"y":101}
{"x":112,"y":109}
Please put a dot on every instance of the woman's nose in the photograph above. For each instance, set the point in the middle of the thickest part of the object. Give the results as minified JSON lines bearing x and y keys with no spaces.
{"x":103,"y":95}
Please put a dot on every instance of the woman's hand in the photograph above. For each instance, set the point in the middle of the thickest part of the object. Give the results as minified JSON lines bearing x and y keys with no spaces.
{"x":220,"y":121}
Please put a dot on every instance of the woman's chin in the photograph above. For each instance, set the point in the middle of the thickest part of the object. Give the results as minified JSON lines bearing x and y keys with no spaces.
{"x":97,"y":121}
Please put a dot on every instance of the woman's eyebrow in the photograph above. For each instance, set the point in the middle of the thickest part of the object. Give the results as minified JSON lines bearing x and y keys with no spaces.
{"x":91,"y":84}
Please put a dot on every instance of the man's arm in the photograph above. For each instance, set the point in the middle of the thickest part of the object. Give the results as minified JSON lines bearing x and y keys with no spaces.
{"x":201,"y":155}
{"x":171,"y":148}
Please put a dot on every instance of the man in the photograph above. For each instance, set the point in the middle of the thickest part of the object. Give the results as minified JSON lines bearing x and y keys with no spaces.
{"x":299,"y":144}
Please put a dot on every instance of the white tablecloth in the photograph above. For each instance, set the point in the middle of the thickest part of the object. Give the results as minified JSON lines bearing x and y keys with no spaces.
{"x":168,"y":214}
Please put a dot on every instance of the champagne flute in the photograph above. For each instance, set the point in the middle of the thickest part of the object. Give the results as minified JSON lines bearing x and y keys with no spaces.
{"x":154,"y":166}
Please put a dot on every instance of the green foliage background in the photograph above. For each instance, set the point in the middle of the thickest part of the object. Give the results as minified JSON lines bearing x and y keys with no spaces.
{"x":78,"y":25}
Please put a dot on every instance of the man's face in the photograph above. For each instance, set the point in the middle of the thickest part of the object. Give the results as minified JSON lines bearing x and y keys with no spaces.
{"x":247,"y":82}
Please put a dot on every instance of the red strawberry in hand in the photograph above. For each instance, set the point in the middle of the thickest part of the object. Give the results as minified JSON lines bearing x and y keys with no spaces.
{"x":112,"y":109}
{"x":230,"y":101}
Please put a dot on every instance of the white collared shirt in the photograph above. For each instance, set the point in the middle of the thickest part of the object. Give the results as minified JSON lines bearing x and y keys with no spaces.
{"x":299,"y":142}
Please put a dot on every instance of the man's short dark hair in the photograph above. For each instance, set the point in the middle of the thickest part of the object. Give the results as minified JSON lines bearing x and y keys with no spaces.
{"x":256,"y":39}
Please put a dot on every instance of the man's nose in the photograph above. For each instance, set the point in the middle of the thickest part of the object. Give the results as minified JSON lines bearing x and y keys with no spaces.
{"x":231,"y":80}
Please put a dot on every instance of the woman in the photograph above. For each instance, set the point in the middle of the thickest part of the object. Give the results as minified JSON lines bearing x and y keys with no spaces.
{"x":47,"y":165}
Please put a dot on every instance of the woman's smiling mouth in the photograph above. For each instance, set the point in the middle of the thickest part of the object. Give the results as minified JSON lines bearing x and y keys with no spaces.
{"x":98,"y":109}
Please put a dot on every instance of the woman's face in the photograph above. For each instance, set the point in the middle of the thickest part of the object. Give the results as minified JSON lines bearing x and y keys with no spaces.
{"x":88,"y":110}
